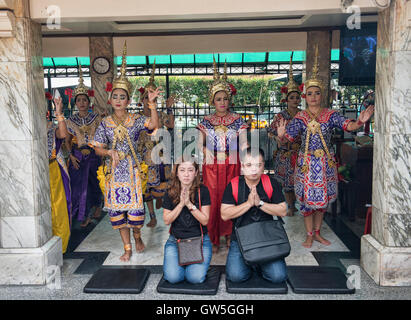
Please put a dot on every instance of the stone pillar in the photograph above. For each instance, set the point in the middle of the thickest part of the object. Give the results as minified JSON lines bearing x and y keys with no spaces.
{"x":386,"y":253}
{"x":27,"y":246}
{"x":324,"y":41}
{"x":101,"y":47}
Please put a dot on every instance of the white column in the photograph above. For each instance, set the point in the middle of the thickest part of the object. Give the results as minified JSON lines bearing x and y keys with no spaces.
{"x":27,"y":246}
{"x":386,"y":253}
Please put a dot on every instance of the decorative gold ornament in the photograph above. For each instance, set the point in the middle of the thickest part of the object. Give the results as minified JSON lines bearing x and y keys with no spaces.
{"x":151,"y":84}
{"x":219,"y":84}
{"x":319,"y":153}
{"x":121,"y":155}
{"x":292,"y":86}
{"x":220,"y":129}
{"x":121,"y":82}
{"x":85,"y":152}
{"x":120,"y":133}
{"x":314,"y":80}
{"x":84,"y":130}
{"x":304,"y":168}
{"x":81,"y":88}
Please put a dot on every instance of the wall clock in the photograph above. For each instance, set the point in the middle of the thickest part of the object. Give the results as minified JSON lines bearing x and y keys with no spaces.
{"x":101,"y":65}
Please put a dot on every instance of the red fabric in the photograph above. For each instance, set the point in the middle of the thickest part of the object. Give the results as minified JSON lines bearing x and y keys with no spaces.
{"x":234,"y":186}
{"x":367,"y":229}
{"x":216,"y":177}
{"x":265,"y":179}
{"x":268,"y":188}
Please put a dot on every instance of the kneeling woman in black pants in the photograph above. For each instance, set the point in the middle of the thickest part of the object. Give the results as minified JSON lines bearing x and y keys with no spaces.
{"x":186,"y":214}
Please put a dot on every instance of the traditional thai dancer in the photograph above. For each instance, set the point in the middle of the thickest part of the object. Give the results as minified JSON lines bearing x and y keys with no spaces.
{"x":83,"y":161}
{"x":59,"y":179}
{"x":285,"y":156}
{"x":220,"y":134}
{"x":158,"y":174}
{"x":116,"y":138}
{"x":316,"y":172}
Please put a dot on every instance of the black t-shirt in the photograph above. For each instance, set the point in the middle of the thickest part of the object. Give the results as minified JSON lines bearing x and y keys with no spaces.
{"x":254,"y":214}
{"x":186,"y":225}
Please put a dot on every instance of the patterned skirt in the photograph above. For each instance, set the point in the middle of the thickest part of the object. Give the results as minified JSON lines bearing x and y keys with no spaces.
{"x":123,"y":196}
{"x":284,"y":169}
{"x":157,"y":183}
{"x":318,"y":187}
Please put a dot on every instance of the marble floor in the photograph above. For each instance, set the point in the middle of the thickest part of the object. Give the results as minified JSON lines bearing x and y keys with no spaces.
{"x":104,"y":239}
{"x":99,"y":244}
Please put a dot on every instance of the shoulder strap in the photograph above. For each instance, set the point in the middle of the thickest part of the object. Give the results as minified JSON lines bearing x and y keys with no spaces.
{"x":199,"y":204}
{"x":268,"y":188}
{"x":234,"y":187}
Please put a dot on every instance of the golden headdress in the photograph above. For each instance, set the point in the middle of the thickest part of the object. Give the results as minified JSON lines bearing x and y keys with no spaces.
{"x":151,"y":84}
{"x":314,"y":80}
{"x":291,"y":86}
{"x":81,"y":88}
{"x":220,"y":84}
{"x":121,"y":82}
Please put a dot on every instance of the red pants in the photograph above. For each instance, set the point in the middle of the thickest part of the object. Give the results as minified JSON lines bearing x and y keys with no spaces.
{"x":216,"y":177}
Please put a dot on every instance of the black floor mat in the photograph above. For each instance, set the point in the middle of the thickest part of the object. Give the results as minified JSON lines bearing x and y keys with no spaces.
{"x":208,"y":287}
{"x":118,"y":280}
{"x":316,"y":279}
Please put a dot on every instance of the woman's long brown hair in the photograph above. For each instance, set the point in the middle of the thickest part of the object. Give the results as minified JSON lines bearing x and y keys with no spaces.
{"x":174,"y":190}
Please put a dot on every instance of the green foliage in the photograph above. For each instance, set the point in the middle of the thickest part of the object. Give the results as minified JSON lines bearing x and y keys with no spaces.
{"x":187,"y":88}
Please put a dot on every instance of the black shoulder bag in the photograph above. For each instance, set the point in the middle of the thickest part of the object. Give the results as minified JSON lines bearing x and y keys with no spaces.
{"x":190,"y":250}
{"x":262,"y":241}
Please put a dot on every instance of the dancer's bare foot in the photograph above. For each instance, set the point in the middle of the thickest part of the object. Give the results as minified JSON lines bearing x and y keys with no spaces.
{"x":97,"y":213}
{"x":290,"y":212}
{"x":85,"y":223}
{"x":152,"y":223}
{"x":215,"y":248}
{"x":139,"y":242}
{"x":320,"y":239}
{"x":127,"y":253}
{"x":308,"y":242}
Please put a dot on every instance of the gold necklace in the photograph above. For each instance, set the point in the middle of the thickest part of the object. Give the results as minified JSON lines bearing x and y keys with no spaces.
{"x":118,"y":120}
{"x":120,"y":132}
{"x":314,"y":127}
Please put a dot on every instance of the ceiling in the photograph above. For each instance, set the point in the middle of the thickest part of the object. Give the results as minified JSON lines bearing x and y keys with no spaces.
{"x":193,"y":26}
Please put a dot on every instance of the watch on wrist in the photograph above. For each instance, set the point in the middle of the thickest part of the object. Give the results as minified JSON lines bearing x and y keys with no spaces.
{"x":261,"y":203}
{"x":193,"y":208}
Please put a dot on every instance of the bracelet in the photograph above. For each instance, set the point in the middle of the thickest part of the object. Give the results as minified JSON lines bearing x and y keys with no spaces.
{"x":169,"y":111}
{"x":152,"y":106}
{"x":60,"y":118}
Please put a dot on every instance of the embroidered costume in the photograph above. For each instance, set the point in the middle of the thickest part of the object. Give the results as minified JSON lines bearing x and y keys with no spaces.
{"x":84,"y":183}
{"x":222,"y":135}
{"x":286,"y":155}
{"x":158,"y":174}
{"x":123,"y":196}
{"x":316,"y":179}
{"x":59,"y":188}
{"x":86,"y":193}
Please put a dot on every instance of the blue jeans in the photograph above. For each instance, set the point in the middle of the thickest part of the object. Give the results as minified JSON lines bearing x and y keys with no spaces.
{"x":193,"y":273}
{"x":238,"y":271}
